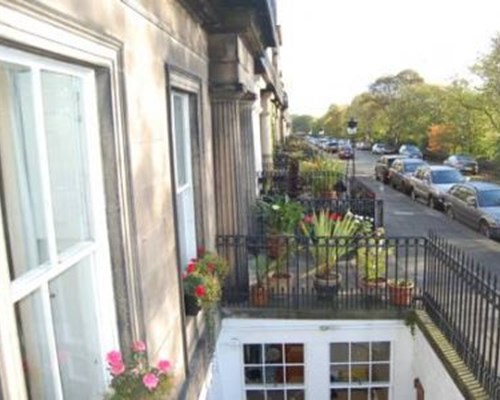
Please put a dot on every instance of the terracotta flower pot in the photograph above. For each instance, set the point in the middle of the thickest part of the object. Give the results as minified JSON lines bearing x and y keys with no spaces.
{"x":280,"y":283}
{"x":373,"y":289}
{"x":259,"y":296}
{"x":400,"y":295}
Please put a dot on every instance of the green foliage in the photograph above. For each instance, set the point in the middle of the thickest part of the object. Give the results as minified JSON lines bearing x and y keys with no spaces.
{"x":322,"y":173}
{"x":280,"y":214}
{"x":302,"y":123}
{"x":372,"y":255}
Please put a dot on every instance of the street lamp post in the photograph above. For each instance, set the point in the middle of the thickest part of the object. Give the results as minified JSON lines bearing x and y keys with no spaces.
{"x":352,"y":126}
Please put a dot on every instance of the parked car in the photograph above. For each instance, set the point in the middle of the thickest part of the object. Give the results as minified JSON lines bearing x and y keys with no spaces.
{"x":382,"y":167}
{"x":432,"y":182}
{"x":363,"y":145}
{"x":476,"y":204}
{"x":381,"y":148}
{"x":401,"y":171}
{"x":463,"y":162}
{"x":331,"y":146}
{"x":410,"y":151}
{"x":346,"y":152}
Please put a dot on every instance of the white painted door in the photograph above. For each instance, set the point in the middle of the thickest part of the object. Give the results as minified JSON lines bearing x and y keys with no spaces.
{"x":186,"y":224}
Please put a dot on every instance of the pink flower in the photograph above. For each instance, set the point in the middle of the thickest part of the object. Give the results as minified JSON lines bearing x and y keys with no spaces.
{"x":117,"y":368}
{"x":150,"y":381}
{"x":335,"y":217}
{"x":139,"y":346}
{"x":114,"y":357}
{"x":164,"y":366}
{"x":200,"y":291}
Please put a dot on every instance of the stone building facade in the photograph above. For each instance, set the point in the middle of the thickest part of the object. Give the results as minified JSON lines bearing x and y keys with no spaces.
{"x":130,"y":133}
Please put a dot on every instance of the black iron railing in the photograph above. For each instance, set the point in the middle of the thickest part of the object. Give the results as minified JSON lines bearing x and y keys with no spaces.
{"x":464,"y":301}
{"x":461,"y":298}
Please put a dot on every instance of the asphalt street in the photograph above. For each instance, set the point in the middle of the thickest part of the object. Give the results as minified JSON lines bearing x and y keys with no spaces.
{"x":404,"y":217}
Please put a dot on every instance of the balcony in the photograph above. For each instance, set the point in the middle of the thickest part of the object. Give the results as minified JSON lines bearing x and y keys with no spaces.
{"x":460,"y":298}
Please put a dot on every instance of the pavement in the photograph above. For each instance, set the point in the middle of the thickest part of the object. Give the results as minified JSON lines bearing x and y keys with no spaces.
{"x":404,"y":217}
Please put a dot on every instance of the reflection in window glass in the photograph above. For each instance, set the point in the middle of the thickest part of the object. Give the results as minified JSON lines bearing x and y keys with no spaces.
{"x":381,"y":351}
{"x":339,"y":352}
{"x":252,"y":353}
{"x":69,"y":177}
{"x":20,"y":165}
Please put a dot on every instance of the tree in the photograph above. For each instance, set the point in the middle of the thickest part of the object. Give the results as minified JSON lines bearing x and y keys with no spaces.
{"x":302,"y":123}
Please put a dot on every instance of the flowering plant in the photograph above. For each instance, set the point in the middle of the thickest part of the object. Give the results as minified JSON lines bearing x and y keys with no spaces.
{"x":280,"y":214}
{"x":372,"y":254}
{"x":134,"y":378}
{"x":323,"y":226}
{"x":204,"y":278}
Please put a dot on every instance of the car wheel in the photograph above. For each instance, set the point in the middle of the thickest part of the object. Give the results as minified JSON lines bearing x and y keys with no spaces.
{"x":484,"y":228}
{"x":450,"y":213}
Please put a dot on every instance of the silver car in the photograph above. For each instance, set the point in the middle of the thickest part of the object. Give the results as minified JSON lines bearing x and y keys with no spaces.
{"x":476,"y":204}
{"x":432,"y":182}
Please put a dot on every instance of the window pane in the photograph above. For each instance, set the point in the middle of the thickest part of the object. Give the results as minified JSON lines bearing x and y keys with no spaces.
{"x":339,"y":352}
{"x":276,"y":395}
{"x":294,"y":353}
{"x":339,"y":394}
{"x":255,"y":395}
{"x":295,"y":395}
{"x":274,"y":375}
{"x":77,"y":338}
{"x":360,"y":352}
{"x":253,"y":353}
{"x":381,"y":351}
{"x":36,"y":360}
{"x":360,"y":373}
{"x":359,"y":394}
{"x":295,"y":374}
{"x":380,"y":372}
{"x":66,"y":152}
{"x":379,"y":394}
{"x":253,"y":375}
{"x":25,"y":219}
{"x":179,"y":136}
{"x":274,"y":354}
{"x":339,"y":373}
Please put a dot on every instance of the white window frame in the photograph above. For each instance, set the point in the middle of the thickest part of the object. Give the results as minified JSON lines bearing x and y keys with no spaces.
{"x":39,"y":278}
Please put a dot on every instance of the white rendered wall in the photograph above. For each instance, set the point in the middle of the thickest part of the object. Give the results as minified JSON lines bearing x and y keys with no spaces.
{"x":411,"y":356}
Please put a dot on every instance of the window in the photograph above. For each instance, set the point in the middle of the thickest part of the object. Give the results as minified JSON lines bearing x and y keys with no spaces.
{"x":52,"y":197}
{"x":274,"y":371}
{"x":360,"y":371}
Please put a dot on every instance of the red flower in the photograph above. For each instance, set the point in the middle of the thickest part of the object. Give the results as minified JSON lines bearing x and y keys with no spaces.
{"x":211,"y":267}
{"x":335,"y":217}
{"x":191,"y":267}
{"x":200,"y":291}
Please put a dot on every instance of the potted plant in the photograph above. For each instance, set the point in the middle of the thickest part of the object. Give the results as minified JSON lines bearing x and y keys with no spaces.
{"x":203,"y":281}
{"x":321,"y":175}
{"x":281,"y":216}
{"x":372,"y":254}
{"x":329,"y":235}
{"x":259,"y":294}
{"x":134,"y":378}
{"x":400,"y":291}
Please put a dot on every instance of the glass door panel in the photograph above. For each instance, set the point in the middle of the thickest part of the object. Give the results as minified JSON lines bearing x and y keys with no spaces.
{"x":77,"y":337}
{"x":186,"y":229}
{"x":64,"y":129}
{"x":32,"y":328}
{"x":20,"y":166}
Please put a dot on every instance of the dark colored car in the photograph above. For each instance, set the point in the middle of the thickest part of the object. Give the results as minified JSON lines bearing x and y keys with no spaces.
{"x":410,"y":151}
{"x":345,"y":152}
{"x":476,"y":204}
{"x":463,"y":163}
{"x":332,"y":146}
{"x":382,"y":167}
{"x":401,"y":171}
{"x":432,"y":183}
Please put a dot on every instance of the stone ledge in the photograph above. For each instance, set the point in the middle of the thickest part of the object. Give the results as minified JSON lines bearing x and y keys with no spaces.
{"x":458,"y":370}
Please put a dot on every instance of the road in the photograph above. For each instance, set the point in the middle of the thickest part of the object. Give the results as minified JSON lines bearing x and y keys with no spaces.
{"x":404,"y":217}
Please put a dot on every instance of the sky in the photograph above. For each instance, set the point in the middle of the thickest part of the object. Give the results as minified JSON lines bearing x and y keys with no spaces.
{"x":334,"y":49}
